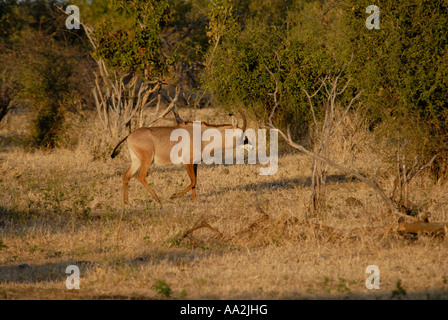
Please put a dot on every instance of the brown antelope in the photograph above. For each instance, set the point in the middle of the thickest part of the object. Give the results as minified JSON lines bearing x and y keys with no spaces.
{"x":155,"y":144}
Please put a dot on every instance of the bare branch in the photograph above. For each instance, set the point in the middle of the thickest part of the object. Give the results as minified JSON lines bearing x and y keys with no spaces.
{"x":345,"y":113}
{"x":171,"y":107}
{"x":428,"y":164}
{"x":275,"y":94}
{"x":345,"y":87}
{"x":311,"y":96}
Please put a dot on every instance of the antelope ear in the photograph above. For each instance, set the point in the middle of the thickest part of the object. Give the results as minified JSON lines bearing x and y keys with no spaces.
{"x":234,"y":121}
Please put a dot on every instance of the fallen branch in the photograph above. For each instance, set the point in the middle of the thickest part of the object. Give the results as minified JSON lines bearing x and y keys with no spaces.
{"x":332,"y":233}
{"x":418,"y":228}
{"x":434,"y":229}
{"x":200,"y":225}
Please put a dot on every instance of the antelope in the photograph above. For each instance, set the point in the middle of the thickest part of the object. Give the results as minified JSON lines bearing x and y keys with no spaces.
{"x":153,"y":144}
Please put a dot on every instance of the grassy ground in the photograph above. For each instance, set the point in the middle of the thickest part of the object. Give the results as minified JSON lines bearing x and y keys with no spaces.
{"x":64,"y":207}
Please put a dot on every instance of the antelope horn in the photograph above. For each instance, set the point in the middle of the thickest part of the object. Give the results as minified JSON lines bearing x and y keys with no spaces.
{"x":244,"y":121}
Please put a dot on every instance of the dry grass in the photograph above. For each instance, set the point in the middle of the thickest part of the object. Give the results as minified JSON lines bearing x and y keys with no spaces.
{"x":64,"y":207}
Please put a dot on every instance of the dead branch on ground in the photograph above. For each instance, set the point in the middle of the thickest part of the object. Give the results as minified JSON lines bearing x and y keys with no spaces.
{"x":321,"y":231}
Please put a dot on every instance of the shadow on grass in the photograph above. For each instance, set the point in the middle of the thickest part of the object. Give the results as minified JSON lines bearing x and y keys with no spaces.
{"x":12,"y":140}
{"x":35,"y":273}
{"x":282,"y":184}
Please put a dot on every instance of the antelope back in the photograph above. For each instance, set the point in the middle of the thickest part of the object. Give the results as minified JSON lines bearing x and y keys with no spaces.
{"x":159,"y":142}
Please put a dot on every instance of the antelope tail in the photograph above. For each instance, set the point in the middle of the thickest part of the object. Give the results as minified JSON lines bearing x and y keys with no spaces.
{"x":117,"y":150}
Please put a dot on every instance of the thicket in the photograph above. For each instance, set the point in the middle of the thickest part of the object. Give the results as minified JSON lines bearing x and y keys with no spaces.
{"x":227,"y":48}
{"x":401,"y":67}
{"x":403,"y":70}
{"x":46,"y":65}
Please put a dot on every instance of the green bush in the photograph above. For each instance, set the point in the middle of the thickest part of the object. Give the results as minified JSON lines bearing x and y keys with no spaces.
{"x":403,"y":70}
{"x":47,"y":65}
{"x":296,"y":46}
{"x":162,"y":288}
{"x":46,"y":72}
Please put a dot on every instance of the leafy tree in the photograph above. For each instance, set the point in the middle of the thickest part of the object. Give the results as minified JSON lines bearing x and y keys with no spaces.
{"x":145,"y":44}
{"x":138,"y":47}
{"x":46,"y":63}
{"x":45,"y":74}
{"x":10,"y":21}
{"x":294,"y":46}
{"x":403,"y":69}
